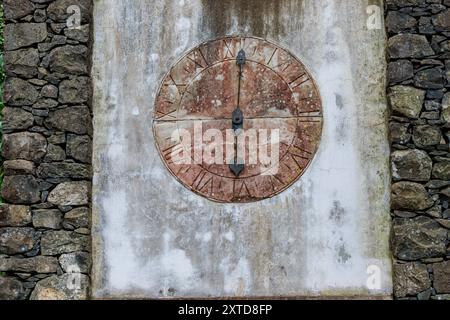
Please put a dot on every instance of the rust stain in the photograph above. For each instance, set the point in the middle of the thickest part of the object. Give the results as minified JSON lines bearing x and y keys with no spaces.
{"x":276,"y":92}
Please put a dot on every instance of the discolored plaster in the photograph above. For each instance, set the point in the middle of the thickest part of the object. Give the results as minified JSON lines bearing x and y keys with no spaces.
{"x":153,"y":238}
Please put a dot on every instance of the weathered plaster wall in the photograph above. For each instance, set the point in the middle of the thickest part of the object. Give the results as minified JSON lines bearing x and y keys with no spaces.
{"x":154,"y":238}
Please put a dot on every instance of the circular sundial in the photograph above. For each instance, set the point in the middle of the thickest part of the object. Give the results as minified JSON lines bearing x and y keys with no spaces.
{"x":237,"y":119}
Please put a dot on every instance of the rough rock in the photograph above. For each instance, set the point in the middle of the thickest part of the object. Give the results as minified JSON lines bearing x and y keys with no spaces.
{"x":410,"y":196}
{"x":58,"y":27}
{"x":410,"y":279}
{"x":17,"y":119}
{"x":447,"y":69}
{"x":19,"y":92}
{"x":25,"y":146}
{"x":79,"y":262}
{"x":441,"y":272}
{"x":393,"y":4}
{"x":14,"y":215}
{"x":430,"y":115}
{"x":441,"y":170}
{"x":57,"y":138}
{"x":418,"y":238}
{"x":77,"y":218}
{"x":399,"y":132}
{"x":18,"y":35}
{"x":40,"y":15}
{"x":56,"y":41}
{"x":54,"y":153}
{"x":400,"y":70}
{"x":407,"y":101}
{"x":425,"y":26}
{"x":437,"y":184}
{"x":397,"y":21}
{"x":47,"y":218}
{"x":64,"y":170}
{"x":424,"y":295}
{"x":79,"y":147}
{"x":59,"y":242}
{"x":76,"y":90}
{"x":442,"y":21}
{"x":446,"y":192}
{"x":17,"y":240}
{"x":426,"y":135}
{"x":16,"y":9}
{"x":445,"y":297}
{"x":45,"y":104}
{"x":22,"y":63}
{"x":10,"y":289}
{"x":446,"y":107}
{"x":74,"y":119}
{"x":39,"y":264}
{"x":432,"y":105}
{"x":429,"y":79}
{"x":75,"y":193}
{"x":69,"y":60}
{"x":21,"y":189}
{"x":444,"y":222}
{"x":413,"y":164}
{"x":49,"y":91}
{"x":69,"y":286}
{"x":81,"y":34}
{"x":409,"y":46}
{"x":19,"y":167}
{"x":57,"y":10}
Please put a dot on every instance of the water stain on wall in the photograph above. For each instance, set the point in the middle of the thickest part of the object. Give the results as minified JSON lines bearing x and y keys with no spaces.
{"x":343,"y":255}
{"x":263,"y":18}
{"x":337,"y":212}
{"x":339,"y":101}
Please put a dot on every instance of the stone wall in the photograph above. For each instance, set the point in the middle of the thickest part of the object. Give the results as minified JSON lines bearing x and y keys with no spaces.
{"x":419,"y":78}
{"x":44,"y":223}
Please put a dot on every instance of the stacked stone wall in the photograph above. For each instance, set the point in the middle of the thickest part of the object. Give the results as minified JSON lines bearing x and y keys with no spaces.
{"x":419,"y":79}
{"x":44,"y":221}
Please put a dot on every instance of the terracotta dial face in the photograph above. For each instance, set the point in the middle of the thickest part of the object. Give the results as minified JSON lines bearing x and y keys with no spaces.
{"x":237,"y":119}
